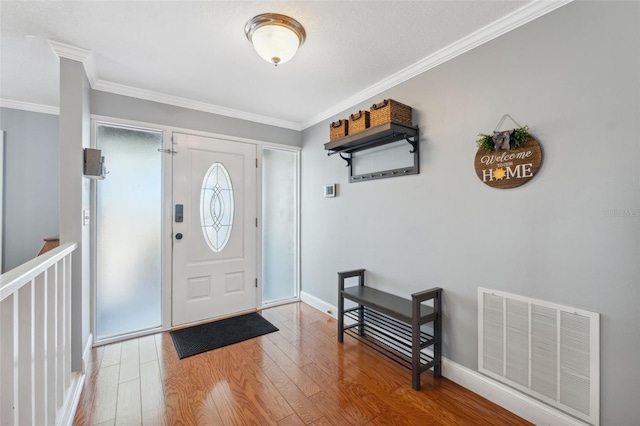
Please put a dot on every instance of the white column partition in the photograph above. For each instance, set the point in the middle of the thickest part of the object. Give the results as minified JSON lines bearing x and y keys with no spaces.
{"x":37,"y":385}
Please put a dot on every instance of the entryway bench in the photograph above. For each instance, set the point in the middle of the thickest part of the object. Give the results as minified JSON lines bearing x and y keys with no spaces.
{"x":392,"y":325}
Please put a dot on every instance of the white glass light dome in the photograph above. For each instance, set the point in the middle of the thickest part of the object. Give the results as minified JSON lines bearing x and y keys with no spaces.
{"x":275,"y":37}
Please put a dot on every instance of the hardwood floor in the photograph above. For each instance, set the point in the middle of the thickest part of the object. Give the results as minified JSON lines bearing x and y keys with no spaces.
{"x":299,"y":375}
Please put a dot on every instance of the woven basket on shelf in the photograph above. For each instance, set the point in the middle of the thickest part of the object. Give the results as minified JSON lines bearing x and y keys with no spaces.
{"x":358,"y":122}
{"x":390,"y":110}
{"x":338,"y":129}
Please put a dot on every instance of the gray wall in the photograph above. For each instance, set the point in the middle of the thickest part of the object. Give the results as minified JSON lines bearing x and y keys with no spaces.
{"x":569,"y":236}
{"x":111,"y":105}
{"x":31,"y":183}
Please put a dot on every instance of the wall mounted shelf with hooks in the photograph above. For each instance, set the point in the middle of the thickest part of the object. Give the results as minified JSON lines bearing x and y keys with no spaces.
{"x":373,"y":137}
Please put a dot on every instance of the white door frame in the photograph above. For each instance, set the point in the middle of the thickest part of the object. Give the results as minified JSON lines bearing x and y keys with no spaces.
{"x":167,"y":171}
{"x":297,"y":150}
{"x":167,"y":203}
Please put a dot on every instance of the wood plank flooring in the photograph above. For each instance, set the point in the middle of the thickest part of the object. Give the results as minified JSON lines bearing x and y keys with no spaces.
{"x":299,"y":375}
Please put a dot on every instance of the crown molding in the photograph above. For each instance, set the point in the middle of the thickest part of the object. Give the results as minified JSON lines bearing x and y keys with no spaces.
{"x":507,"y":23}
{"x":76,"y":54}
{"x":28,"y":106}
{"x":69,"y":52}
{"x":82,"y":55}
{"x":120,"y":89}
{"x":527,"y":13}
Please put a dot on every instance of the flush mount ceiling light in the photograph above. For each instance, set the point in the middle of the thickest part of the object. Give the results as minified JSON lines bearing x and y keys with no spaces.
{"x":275,"y":37}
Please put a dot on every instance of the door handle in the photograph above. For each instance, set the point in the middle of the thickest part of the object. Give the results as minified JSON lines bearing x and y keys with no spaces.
{"x":178,"y":236}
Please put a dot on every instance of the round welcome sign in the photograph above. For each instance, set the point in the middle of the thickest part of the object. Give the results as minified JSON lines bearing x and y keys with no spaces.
{"x":504,"y":168}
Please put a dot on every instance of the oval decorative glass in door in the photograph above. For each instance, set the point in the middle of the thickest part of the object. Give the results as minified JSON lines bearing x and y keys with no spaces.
{"x":216,"y":207}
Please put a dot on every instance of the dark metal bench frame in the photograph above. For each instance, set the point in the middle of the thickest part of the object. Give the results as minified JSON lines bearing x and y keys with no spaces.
{"x":391,"y":324}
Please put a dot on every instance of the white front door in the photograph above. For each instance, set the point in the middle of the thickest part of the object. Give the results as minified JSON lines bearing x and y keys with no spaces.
{"x":214,"y":242}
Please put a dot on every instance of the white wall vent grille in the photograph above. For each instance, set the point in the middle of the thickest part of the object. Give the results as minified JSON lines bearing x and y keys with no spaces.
{"x":549,"y":351}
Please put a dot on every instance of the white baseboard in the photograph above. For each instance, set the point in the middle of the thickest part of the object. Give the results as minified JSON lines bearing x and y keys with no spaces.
{"x":319,"y":304}
{"x":510,"y":399}
{"x":86,"y":352}
{"x":72,"y":398}
{"x":518,"y":403}
{"x":68,"y":410}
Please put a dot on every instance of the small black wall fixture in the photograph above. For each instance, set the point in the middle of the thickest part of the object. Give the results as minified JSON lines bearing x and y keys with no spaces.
{"x":94,"y":164}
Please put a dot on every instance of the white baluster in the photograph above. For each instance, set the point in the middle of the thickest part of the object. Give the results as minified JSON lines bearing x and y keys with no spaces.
{"x":59,"y":327}
{"x":51,"y":346}
{"x":7,"y":371}
{"x":39,"y":349}
{"x":24,"y":404}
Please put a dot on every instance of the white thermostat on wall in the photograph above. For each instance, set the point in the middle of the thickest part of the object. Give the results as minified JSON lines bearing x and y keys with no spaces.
{"x":330,"y":191}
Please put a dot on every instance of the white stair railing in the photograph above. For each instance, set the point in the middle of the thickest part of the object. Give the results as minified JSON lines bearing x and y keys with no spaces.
{"x":35,"y":340}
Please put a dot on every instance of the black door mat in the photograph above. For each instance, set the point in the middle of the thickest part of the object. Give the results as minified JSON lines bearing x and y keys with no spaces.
{"x":205,"y":337}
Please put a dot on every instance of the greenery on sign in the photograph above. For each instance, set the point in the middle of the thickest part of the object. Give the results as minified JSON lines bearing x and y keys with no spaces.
{"x":519,"y":137}
{"x":485,"y":142}
{"x":511,"y":139}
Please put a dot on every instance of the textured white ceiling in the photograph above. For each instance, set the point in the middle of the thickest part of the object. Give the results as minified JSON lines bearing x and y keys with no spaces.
{"x":197,"y":50}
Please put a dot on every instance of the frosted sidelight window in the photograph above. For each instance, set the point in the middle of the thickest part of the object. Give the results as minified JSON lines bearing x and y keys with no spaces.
{"x":216,"y":207}
{"x":279,"y":225}
{"x":129,"y":225}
